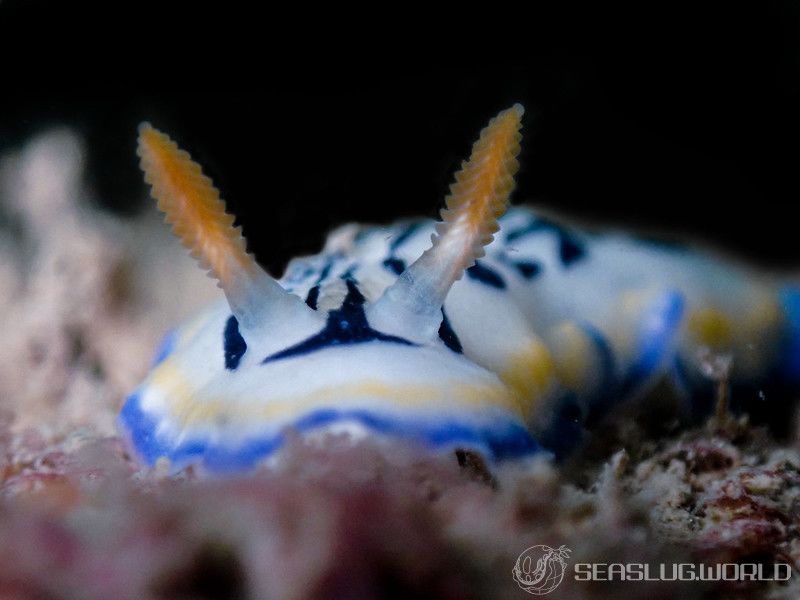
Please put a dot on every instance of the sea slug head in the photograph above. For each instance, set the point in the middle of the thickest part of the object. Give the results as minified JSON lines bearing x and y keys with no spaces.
{"x":228,"y":387}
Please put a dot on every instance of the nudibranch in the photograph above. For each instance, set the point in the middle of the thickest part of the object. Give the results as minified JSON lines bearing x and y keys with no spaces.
{"x":481,"y":332}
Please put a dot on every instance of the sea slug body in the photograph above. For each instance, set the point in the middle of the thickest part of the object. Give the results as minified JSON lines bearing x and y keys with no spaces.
{"x":472,"y":333}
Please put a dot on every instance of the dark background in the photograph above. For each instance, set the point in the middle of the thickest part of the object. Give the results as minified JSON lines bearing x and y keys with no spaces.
{"x":680,"y":120}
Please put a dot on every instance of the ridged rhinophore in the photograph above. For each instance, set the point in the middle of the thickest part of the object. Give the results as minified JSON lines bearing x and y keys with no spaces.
{"x":193,"y":207}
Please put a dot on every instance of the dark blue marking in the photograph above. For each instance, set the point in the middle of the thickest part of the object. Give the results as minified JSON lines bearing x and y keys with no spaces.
{"x":235,"y":346}
{"x":566,"y":429}
{"x":790,"y":299}
{"x":528,"y":269}
{"x":570,"y":248}
{"x":326,"y":270}
{"x":345,"y":325}
{"x":395,"y":265}
{"x":404,"y":235}
{"x":683,"y":382}
{"x":313,"y":297}
{"x":606,"y":392}
{"x":532,"y":226}
{"x":484,"y":274}
{"x":313,"y":294}
{"x":165,"y":348}
{"x":606,"y":354}
{"x":448,"y":336}
{"x":679,"y":375}
{"x":506,"y":438}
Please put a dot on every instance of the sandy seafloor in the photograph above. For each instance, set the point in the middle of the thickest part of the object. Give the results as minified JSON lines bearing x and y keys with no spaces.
{"x":85,"y":297}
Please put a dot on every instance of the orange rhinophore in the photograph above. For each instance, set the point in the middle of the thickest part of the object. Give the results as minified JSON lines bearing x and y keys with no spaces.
{"x":193,"y":207}
{"x":482,"y":188}
{"x":479,"y":196}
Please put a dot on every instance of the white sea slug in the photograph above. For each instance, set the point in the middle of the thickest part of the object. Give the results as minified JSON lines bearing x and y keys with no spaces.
{"x":473,"y":333}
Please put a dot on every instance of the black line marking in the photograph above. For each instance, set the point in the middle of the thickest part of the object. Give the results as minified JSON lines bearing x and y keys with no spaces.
{"x":326,"y":270}
{"x":529,"y":269}
{"x":570,"y":248}
{"x":233,"y":344}
{"x":448,"y":336}
{"x":395,"y":265}
{"x":313,"y":297}
{"x":485,"y":275}
{"x":346,"y":325}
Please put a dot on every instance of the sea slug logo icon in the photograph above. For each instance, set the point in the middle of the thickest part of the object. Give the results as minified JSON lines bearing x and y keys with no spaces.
{"x":540,"y":569}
